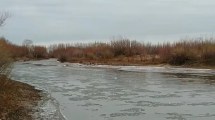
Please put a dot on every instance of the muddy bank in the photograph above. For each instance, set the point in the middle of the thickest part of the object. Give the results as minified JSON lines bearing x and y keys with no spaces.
{"x":18,"y":100}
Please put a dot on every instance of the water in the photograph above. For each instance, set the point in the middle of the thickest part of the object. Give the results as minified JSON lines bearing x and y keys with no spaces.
{"x":80,"y":92}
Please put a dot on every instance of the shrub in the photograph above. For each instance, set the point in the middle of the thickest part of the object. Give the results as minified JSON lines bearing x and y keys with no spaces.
{"x":39,"y":52}
{"x":208,"y":58}
{"x":5,"y":59}
{"x":187,"y":51}
{"x":181,"y":57}
{"x":62,"y":58}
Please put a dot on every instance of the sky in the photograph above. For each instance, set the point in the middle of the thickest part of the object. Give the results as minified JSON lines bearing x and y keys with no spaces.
{"x":70,"y":21}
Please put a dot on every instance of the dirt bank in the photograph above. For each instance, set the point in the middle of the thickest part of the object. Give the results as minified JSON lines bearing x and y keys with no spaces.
{"x":18,"y":100}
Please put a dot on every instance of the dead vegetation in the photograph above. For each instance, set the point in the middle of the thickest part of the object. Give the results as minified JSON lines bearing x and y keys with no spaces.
{"x":124,"y":51}
{"x":17,"y":100}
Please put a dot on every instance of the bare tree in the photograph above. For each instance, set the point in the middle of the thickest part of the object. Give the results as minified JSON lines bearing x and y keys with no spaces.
{"x":3,"y":17}
{"x":29,"y":46}
{"x":27,"y":43}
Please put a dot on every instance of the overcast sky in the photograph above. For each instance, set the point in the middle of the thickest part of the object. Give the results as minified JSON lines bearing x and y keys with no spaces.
{"x":54,"y":21}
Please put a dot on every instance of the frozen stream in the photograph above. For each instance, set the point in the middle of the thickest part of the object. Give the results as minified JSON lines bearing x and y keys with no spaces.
{"x":81,"y":92}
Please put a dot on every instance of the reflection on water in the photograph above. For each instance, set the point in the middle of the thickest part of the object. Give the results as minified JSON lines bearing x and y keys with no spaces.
{"x":115,"y":93}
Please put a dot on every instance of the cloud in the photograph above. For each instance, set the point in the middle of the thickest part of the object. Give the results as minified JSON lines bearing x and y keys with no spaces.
{"x":101,"y":19}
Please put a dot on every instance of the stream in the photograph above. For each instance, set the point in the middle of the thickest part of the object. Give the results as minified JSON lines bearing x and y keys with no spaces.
{"x":101,"y":92}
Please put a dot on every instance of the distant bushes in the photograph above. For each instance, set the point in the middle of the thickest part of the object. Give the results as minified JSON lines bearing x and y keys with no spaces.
{"x":10,"y":52}
{"x":186,"y":52}
{"x":195,"y":52}
{"x":17,"y":52}
{"x":39,"y":52}
{"x":122,"y":51}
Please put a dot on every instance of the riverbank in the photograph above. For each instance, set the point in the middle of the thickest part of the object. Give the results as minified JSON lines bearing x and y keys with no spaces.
{"x":17,"y":100}
{"x":133,"y":62}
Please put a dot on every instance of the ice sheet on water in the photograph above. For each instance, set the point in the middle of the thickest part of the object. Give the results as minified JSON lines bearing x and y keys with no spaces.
{"x":165,"y":69}
{"x":48,"y":109}
{"x":158,"y":69}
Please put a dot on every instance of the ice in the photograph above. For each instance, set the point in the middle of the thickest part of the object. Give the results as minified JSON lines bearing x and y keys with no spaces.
{"x":165,"y":69}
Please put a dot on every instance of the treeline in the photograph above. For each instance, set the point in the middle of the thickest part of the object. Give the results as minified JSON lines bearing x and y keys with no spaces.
{"x":22,"y":52}
{"x":122,"y":51}
{"x":125,"y":51}
{"x":10,"y":52}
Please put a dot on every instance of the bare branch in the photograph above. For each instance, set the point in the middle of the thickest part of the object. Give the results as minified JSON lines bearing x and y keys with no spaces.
{"x":3,"y":17}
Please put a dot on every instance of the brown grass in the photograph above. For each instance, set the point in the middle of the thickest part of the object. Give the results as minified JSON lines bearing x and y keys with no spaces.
{"x":196,"y":52}
{"x":17,"y":100}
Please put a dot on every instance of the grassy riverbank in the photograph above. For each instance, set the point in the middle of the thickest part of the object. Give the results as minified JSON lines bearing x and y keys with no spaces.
{"x":17,"y":100}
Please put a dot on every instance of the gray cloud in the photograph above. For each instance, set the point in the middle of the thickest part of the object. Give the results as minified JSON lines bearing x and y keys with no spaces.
{"x":72,"y":20}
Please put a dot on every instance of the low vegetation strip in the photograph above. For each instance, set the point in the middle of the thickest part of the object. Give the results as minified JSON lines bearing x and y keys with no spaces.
{"x":189,"y":52}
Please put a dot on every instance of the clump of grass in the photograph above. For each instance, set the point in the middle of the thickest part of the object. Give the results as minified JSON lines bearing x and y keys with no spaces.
{"x":17,"y":100}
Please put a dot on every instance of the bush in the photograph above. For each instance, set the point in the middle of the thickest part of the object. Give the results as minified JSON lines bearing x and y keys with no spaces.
{"x":178,"y":59}
{"x":62,"y":58}
{"x":182,"y":58}
{"x":188,"y":51}
{"x":39,"y":52}
{"x":208,"y":58}
{"x":5,"y":59}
